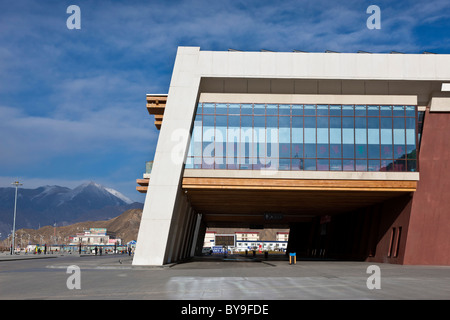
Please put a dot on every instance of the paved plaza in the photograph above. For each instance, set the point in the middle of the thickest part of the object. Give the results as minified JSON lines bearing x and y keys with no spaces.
{"x":46,"y":277}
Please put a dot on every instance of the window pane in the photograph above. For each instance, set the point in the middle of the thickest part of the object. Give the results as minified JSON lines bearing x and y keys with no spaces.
{"x":197,"y":139}
{"x":297,"y":150}
{"x":310,"y":135}
{"x":410,"y":111}
{"x":348,"y":110}
{"x":322,"y":151}
{"x":374,"y":165}
{"x":297,"y":130}
{"x":348,"y":150}
{"x":399,"y":136}
{"x":233,"y":138}
{"x":234,"y":108}
{"x":259,"y":109}
{"x":272,"y":109}
{"x":335,"y":135}
{"x":335,"y":151}
{"x":272,"y":122}
{"x":386,"y":131}
{"x":297,"y":110}
{"x":348,"y":165}
{"x":399,"y":123}
{"x":309,"y":110}
{"x":399,"y":111}
{"x":220,"y":143}
{"x":297,"y":164}
{"x":246,"y":109}
{"x":361,"y":165}
{"x":322,"y":122}
{"x":208,"y":108}
{"x":373,"y":136}
{"x":284,"y":122}
{"x":221,"y":121}
{"x":199,"y":108}
{"x":322,"y":135}
{"x":335,"y":110}
{"x":386,"y":165}
{"x":285,"y":142}
{"x":221,"y":108}
{"x":310,"y":164}
{"x":310,"y":122}
{"x":386,"y":111}
{"x":373,"y":111}
{"x":285,"y":164}
{"x":335,"y":165}
{"x":310,"y":150}
{"x":189,"y":163}
{"x":360,"y":136}
{"x":323,"y":165}
{"x":410,"y":131}
{"x":284,"y":110}
{"x":246,"y":122}
{"x":386,"y":151}
{"x":360,"y":111}
{"x":374,"y":151}
{"x":259,"y":122}
{"x":208,"y":121}
{"x":361,"y":151}
{"x":411,"y":165}
{"x":322,"y":110}
{"x":399,"y":151}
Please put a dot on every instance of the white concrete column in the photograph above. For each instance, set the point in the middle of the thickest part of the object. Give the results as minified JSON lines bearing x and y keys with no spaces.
{"x":164,"y":188}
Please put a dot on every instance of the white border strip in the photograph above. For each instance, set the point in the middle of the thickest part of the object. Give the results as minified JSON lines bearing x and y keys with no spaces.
{"x":319,"y":175}
{"x":308,"y":98}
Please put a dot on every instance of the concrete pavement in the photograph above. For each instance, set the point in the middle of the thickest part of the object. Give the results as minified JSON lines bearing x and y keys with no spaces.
{"x":215,"y":278}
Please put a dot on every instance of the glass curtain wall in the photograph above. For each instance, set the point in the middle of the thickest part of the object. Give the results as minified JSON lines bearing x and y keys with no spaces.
{"x":304,"y":137}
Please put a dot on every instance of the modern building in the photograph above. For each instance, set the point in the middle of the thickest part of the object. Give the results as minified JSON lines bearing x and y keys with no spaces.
{"x":350,"y":151}
{"x":241,"y":240}
{"x":95,"y":236}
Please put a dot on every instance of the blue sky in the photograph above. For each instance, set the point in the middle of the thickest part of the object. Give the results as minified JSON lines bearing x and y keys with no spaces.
{"x":72,"y":102}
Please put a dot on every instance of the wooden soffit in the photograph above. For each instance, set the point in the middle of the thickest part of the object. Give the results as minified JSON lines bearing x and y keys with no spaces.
{"x":156,"y":105}
{"x":298,"y":184}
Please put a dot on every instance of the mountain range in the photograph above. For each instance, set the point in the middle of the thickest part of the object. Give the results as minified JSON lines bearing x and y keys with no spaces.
{"x":49,"y":205}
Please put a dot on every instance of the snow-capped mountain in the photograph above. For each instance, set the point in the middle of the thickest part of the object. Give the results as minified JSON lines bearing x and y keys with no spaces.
{"x":49,"y":204}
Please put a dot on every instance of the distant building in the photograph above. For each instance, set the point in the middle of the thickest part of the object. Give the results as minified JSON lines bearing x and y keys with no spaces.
{"x":95,"y":236}
{"x":247,"y":240}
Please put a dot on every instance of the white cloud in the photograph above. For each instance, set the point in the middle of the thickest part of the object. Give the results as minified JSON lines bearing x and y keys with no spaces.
{"x":32,"y":138}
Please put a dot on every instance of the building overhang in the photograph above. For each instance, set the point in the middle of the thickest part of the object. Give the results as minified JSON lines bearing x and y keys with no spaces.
{"x":156,"y":104}
{"x":300,"y":180}
{"x":228,"y":196}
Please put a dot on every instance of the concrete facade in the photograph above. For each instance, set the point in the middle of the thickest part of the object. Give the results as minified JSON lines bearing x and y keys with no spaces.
{"x":171,"y":226}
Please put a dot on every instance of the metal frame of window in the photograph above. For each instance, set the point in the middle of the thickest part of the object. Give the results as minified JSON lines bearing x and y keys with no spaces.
{"x":367,"y":160}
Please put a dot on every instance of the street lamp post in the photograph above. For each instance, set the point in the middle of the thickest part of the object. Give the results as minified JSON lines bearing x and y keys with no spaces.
{"x":16,"y":184}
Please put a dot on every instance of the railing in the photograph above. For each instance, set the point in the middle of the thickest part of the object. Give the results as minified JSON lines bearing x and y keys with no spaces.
{"x":148,"y":166}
